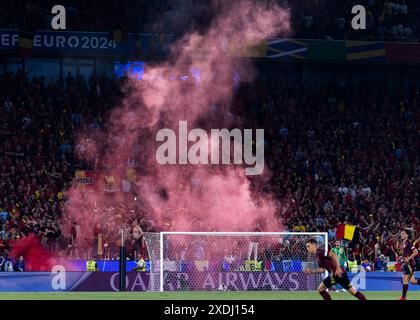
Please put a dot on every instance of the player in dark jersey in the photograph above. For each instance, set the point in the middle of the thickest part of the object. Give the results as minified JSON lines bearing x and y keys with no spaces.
{"x":409,"y":252}
{"x":336,"y":274}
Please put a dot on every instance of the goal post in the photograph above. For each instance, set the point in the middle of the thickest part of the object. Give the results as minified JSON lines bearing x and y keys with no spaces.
{"x":232,"y":261}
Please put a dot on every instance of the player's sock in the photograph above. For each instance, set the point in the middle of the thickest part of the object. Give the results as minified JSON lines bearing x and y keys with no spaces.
{"x":325,"y":295}
{"x":360,"y":295}
{"x":405,"y":289}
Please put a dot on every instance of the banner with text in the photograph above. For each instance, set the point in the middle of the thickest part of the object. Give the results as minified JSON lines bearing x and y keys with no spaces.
{"x":105,"y":181}
{"x":71,"y":281}
{"x":46,"y":42}
{"x":238,"y":281}
{"x":89,"y":43}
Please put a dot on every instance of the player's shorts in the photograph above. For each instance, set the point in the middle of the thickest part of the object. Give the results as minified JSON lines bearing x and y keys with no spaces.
{"x":408,"y":270}
{"x":332,"y":280}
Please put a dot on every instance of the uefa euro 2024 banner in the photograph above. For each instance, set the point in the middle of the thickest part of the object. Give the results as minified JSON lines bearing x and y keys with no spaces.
{"x":87,"y":42}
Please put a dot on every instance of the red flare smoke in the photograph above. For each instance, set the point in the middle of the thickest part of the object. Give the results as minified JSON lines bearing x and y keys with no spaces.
{"x":35,"y":256}
{"x":196,"y":198}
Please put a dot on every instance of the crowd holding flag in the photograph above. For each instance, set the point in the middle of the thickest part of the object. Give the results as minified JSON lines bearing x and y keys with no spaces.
{"x":347,"y":232}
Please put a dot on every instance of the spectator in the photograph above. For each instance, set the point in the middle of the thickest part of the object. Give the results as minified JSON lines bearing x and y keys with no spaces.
{"x":367,"y":266}
{"x":381,"y":264}
{"x":340,"y":251}
{"x":20,"y":265}
{"x":7,"y":263}
{"x":137,"y":238}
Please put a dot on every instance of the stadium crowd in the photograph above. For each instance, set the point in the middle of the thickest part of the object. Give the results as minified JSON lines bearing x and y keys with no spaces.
{"x":97,"y":15}
{"x":345,"y":154}
{"x":37,"y":164}
{"x":338,"y":155}
{"x":386,"y":20}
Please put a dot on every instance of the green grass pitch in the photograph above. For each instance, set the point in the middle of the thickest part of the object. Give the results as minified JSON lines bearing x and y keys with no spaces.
{"x":389,"y":295}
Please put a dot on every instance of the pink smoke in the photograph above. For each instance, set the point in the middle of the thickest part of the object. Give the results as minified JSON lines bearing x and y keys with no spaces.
{"x":197,"y":198}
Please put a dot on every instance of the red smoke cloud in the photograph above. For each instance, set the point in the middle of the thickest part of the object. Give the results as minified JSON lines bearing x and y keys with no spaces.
{"x":185,"y":197}
{"x":35,"y":256}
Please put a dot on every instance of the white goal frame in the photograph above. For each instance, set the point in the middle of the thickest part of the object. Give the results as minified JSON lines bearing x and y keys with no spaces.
{"x":162,"y":234}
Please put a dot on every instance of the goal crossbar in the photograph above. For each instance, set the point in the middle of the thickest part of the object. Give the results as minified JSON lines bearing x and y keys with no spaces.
{"x":246,"y":233}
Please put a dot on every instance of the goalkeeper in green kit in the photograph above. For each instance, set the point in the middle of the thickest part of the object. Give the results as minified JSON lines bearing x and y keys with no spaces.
{"x":340,"y":252}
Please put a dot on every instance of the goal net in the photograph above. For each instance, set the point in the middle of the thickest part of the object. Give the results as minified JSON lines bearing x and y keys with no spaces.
{"x":232,"y":261}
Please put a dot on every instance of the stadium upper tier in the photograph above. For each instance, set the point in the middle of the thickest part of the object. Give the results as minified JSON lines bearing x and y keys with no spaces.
{"x":386,"y":20}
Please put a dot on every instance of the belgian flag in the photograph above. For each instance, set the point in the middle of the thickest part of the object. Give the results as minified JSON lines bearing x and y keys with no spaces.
{"x":347,"y":232}
{"x":25,"y":44}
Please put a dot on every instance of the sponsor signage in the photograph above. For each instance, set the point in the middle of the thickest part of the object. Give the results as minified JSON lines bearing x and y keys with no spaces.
{"x":237,"y":281}
{"x":91,"y":43}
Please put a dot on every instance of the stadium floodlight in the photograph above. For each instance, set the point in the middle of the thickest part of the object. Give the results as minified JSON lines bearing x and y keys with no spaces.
{"x":232,"y":261}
